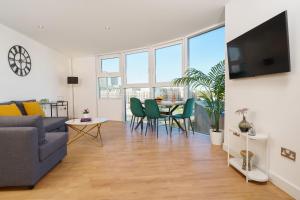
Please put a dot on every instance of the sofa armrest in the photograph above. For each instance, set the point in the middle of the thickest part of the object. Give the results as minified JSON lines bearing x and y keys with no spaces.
{"x":19,"y":158}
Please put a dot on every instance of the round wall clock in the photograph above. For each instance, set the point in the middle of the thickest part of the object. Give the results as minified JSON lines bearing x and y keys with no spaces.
{"x":19,"y":60}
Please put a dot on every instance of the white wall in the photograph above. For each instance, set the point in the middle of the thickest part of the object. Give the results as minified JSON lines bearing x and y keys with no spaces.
{"x":47,"y":78}
{"x":85,"y":92}
{"x":273,"y":100}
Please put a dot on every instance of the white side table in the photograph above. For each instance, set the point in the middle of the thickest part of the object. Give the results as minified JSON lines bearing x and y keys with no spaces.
{"x":85,"y":129}
{"x":255,"y":174}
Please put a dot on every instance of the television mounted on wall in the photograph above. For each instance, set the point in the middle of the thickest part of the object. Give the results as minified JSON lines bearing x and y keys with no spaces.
{"x":260,"y":51}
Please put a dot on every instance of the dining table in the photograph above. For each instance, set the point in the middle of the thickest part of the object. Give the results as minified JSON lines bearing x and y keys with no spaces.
{"x":171,"y":106}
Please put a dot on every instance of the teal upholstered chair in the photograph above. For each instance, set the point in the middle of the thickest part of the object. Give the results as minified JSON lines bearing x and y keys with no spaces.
{"x":153,"y":114}
{"x":137,"y":111}
{"x":186,"y":115}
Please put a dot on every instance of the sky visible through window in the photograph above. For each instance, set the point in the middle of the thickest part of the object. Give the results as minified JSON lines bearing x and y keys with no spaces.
{"x":137,"y":68}
{"x":110,"y":65}
{"x":204,"y":51}
{"x":168,"y":62}
{"x":207,"y":49}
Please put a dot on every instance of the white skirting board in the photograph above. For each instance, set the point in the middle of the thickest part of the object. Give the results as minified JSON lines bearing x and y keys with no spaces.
{"x":285,"y":185}
{"x":280,"y":182}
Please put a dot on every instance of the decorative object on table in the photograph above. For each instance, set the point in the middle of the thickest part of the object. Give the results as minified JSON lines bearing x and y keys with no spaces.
{"x":19,"y":60}
{"x":252,"y":131}
{"x":244,"y":125}
{"x":88,"y":119}
{"x":42,"y":101}
{"x":159,"y":99}
{"x":244,"y":156}
{"x":211,"y":91}
{"x":73,"y":80}
{"x":86,"y":113}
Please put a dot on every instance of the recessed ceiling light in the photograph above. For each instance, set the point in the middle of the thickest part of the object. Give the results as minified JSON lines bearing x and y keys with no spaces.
{"x":41,"y":27}
{"x":107,"y":28}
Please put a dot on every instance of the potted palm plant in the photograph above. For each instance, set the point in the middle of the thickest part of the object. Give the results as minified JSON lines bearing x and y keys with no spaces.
{"x":211,"y":90}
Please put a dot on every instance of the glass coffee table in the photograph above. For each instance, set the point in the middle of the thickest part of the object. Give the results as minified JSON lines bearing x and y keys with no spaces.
{"x":85,"y":129}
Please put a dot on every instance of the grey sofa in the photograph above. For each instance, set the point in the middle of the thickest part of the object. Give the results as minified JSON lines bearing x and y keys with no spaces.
{"x":30,"y":146}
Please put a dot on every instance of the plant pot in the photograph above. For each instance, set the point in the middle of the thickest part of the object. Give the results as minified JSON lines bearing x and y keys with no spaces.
{"x":216,"y":137}
{"x":85,"y":116}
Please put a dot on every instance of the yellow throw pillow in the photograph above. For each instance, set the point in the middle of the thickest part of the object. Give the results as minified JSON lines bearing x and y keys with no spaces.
{"x":33,"y":108}
{"x":10,"y":110}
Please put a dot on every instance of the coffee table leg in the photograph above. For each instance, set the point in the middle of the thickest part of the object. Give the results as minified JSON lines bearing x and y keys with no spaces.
{"x":99,"y":133}
{"x":78,"y":135}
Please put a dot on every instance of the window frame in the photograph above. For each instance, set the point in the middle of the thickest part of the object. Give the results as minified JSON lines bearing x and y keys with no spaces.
{"x":101,"y":74}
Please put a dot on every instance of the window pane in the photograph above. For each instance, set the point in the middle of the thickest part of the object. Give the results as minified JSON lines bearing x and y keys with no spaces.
{"x":207,"y":49}
{"x":141,"y":93}
{"x":109,"y":87}
{"x":110,"y":65}
{"x":168,"y":61}
{"x":137,"y":67}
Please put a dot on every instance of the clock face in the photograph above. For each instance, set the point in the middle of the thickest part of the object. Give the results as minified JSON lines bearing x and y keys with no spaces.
{"x":19,"y":60}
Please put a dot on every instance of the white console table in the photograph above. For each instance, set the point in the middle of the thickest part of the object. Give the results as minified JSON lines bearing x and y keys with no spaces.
{"x":255,"y":174}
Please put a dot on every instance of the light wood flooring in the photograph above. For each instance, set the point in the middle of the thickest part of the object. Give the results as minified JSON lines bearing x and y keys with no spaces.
{"x":134,"y":167}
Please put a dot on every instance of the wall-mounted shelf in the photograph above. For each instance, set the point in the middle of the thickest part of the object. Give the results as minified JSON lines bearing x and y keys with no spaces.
{"x":255,"y":174}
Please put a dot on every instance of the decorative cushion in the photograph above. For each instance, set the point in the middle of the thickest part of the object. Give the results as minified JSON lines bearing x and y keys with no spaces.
{"x":10,"y":110}
{"x":21,"y":106}
{"x":33,"y":108}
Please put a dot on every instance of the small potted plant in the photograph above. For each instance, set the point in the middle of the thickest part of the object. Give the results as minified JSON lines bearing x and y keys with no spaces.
{"x":86,"y":113}
{"x":244,"y":125}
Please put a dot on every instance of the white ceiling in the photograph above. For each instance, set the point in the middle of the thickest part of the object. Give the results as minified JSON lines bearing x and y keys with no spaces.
{"x":77,"y":27}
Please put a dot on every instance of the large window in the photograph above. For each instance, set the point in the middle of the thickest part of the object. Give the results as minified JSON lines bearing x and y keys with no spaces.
{"x":168,"y":63}
{"x":109,"y":77}
{"x":137,"y":68}
{"x":207,"y":49}
{"x":110,"y":65}
{"x":109,"y":87}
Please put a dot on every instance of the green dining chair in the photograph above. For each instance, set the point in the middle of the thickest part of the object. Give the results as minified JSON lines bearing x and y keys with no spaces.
{"x":153,"y":114}
{"x":186,"y":115}
{"x":138,"y":113}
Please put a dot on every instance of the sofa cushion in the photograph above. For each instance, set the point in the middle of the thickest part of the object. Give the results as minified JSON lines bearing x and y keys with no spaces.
{"x":10,"y":110}
{"x":55,"y":123}
{"x":55,"y":140}
{"x":26,"y":121}
{"x":21,"y":106}
{"x":33,"y":108}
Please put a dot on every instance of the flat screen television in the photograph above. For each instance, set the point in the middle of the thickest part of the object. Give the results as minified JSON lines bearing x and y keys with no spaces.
{"x":262,"y":50}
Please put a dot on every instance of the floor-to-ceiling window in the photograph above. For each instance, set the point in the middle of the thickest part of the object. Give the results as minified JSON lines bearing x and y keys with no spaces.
{"x":137,"y":78}
{"x":204,"y":51}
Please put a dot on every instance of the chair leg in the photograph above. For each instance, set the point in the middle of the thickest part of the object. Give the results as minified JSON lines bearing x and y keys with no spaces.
{"x":151,"y":124}
{"x":166,"y":126}
{"x":192,"y":126}
{"x":156,"y":127}
{"x":133,"y":124}
{"x":131,"y":120}
{"x":185,"y":129}
{"x":148,"y":124}
{"x":171,"y":127}
{"x":142,"y":125}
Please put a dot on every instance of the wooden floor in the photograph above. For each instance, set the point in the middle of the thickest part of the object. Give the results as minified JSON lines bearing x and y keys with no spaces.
{"x":134,"y":167}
